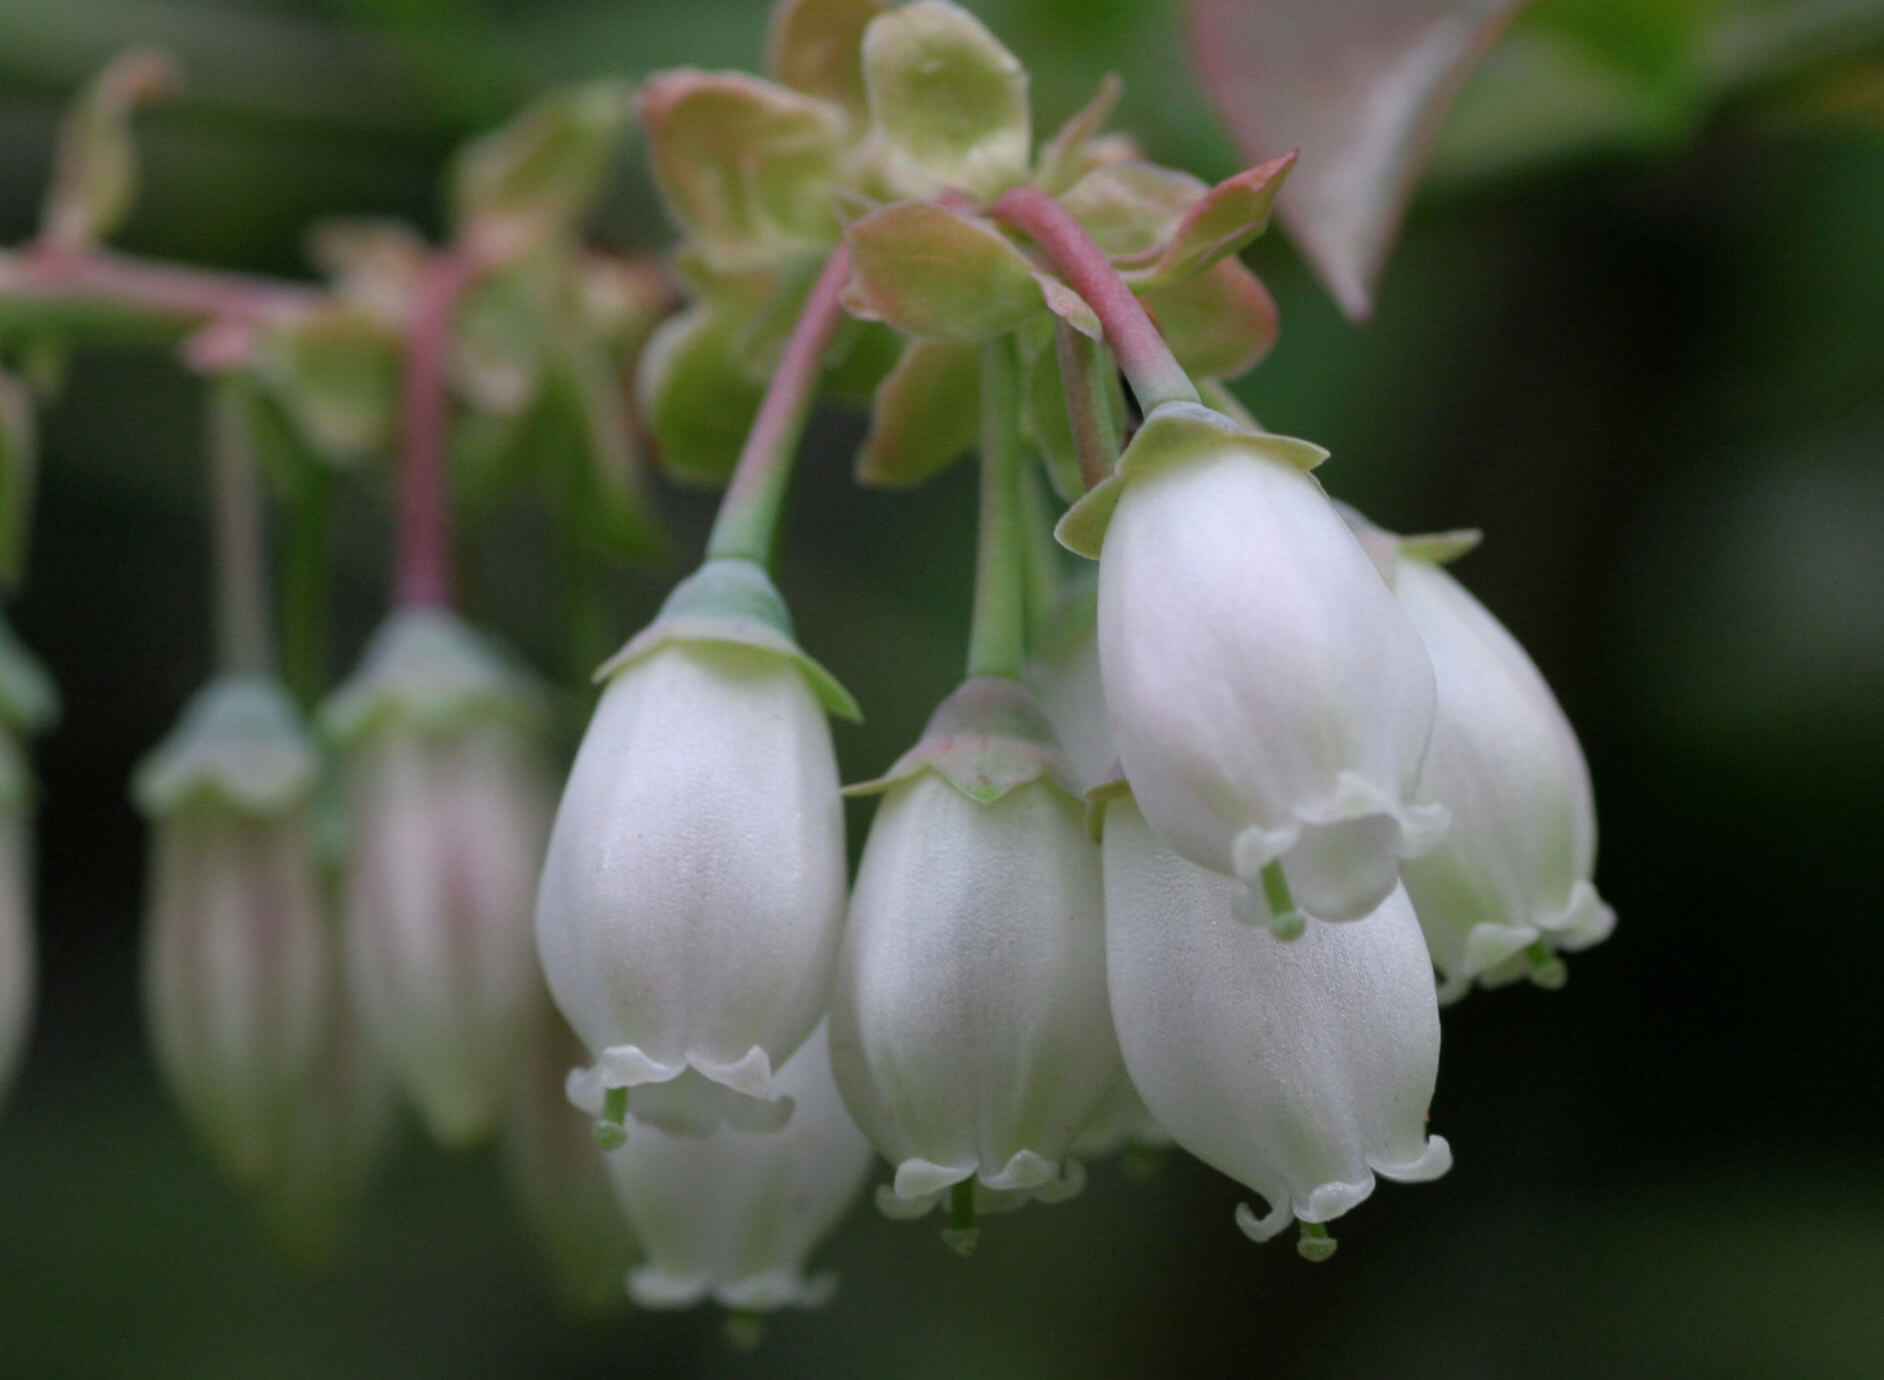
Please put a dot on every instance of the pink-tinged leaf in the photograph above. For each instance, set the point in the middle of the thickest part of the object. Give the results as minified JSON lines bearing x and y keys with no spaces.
{"x":925,"y":414}
{"x":815,"y":46}
{"x":936,"y":275}
{"x":1361,"y":87}
{"x":1219,"y":323}
{"x":1231,"y":214}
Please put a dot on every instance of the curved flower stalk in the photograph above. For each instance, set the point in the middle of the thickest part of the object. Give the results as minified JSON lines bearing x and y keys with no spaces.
{"x":734,"y":1216}
{"x":1271,"y":703}
{"x":449,"y":804}
{"x":693,"y":894}
{"x":1302,"y":1069}
{"x":236,"y":950}
{"x":28,"y":704}
{"x":1510,"y":884}
{"x":969,"y":1025}
{"x":561,"y":1180}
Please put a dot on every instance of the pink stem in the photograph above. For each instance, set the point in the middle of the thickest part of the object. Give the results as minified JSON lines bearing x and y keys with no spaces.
{"x":1088,"y":404}
{"x":748,"y":516}
{"x":49,"y":272}
{"x":1154,"y":372}
{"x":423,"y":575}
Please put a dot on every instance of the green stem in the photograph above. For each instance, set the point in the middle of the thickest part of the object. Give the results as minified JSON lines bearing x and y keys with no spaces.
{"x":997,"y":639}
{"x":1083,"y":367}
{"x":1043,"y":557}
{"x":747,"y":524}
{"x":307,"y":555}
{"x":243,"y":644}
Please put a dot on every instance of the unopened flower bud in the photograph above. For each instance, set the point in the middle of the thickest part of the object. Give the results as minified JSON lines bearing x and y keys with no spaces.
{"x":1510,"y":883}
{"x":1065,"y":675}
{"x":969,"y":1023}
{"x":236,"y":948}
{"x":694,"y":890}
{"x":733,"y":1216}
{"x":449,"y":801}
{"x":1270,"y":702}
{"x":1301,"y":1069}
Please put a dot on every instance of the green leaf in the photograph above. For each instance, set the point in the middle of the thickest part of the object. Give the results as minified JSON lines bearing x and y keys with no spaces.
{"x":744,"y":166}
{"x":1361,"y":88}
{"x":696,"y":399}
{"x":1219,"y":323}
{"x":949,"y":101}
{"x":1133,"y":208}
{"x":336,"y":373}
{"x":925,"y":414}
{"x":94,"y":176}
{"x":815,"y":46}
{"x":533,"y":179}
{"x":1229,"y":216}
{"x":19,"y":471}
{"x":1064,"y":158}
{"x":938,"y":276}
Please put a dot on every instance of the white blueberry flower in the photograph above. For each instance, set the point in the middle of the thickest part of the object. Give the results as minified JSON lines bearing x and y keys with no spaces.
{"x":693,"y":894}
{"x":237,"y":955}
{"x":1270,"y":702}
{"x":1301,"y":1069}
{"x":733,"y":1216}
{"x":1510,"y":884}
{"x":1064,"y":675}
{"x":448,"y":800}
{"x":969,"y":1025}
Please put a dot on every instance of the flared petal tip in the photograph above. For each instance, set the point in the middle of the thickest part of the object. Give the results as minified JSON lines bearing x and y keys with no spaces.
{"x":1338,"y":859}
{"x":1431,"y":1163}
{"x":693,"y":1097}
{"x":922,"y":1185}
{"x":1499,"y":955}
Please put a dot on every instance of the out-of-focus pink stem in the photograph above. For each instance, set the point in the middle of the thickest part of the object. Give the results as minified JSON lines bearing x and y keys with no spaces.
{"x":52,"y":273}
{"x":423,"y":575}
{"x":1155,"y":374}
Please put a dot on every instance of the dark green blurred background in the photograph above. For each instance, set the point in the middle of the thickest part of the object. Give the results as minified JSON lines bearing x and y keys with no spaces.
{"x":1641,"y":351}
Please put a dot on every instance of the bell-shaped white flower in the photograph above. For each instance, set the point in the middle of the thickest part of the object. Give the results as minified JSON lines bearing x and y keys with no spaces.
{"x":1510,"y":883}
{"x":693,"y":894}
{"x":237,"y":957}
{"x":561,"y":1180}
{"x":28,"y":705}
{"x":969,"y":1024}
{"x":733,"y":1216}
{"x":448,"y":802}
{"x":1122,"y":1123}
{"x":1303,"y":1068}
{"x":1270,"y":702}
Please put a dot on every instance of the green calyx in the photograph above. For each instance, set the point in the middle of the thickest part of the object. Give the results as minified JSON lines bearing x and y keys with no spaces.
{"x":1174,"y":432}
{"x":29,"y":702}
{"x":240,"y":744}
{"x":732,"y":600}
{"x":987,"y":739}
{"x":428,"y":669}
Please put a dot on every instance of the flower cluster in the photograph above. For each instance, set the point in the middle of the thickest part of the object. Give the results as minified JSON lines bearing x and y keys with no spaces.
{"x":1191,"y":856}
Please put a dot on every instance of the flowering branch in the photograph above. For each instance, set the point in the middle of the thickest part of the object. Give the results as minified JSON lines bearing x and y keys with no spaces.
{"x":424,"y":561}
{"x":748,"y":516}
{"x":1155,"y":374}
